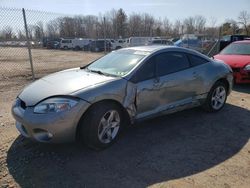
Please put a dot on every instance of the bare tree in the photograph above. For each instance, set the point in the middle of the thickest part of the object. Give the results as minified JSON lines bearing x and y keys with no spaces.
{"x":135,"y":25}
{"x":119,"y":24}
{"x":200,"y":22}
{"x":90,"y":23}
{"x":230,"y":27}
{"x":148,"y":24}
{"x":158,"y":28}
{"x":212,"y":21}
{"x":178,"y":28}
{"x":53,"y":28}
{"x":212,"y":31}
{"x":189,"y":25}
{"x":38,"y":31}
{"x":79,"y":26}
{"x":7,"y":33}
{"x":121,"y":19}
{"x":244,"y":19}
{"x":21,"y":35}
{"x":167,"y":27}
{"x":234,"y":26}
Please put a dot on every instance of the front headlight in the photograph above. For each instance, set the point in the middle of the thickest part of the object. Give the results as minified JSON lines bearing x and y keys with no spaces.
{"x":247,"y":67}
{"x":56,"y":104}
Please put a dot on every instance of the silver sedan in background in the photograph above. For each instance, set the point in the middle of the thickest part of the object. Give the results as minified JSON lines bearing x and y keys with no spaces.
{"x":94,"y":103}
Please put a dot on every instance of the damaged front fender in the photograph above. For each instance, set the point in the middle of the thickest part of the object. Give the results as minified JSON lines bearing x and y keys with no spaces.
{"x":129,"y":101}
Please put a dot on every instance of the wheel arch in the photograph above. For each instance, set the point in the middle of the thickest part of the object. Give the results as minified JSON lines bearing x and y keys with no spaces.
{"x":104,"y":101}
{"x":225,"y":81}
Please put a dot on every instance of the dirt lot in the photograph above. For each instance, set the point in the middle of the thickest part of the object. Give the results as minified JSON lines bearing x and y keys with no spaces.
{"x":187,"y":149}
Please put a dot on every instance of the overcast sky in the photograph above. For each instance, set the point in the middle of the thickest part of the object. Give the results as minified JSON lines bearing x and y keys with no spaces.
{"x":172,"y":9}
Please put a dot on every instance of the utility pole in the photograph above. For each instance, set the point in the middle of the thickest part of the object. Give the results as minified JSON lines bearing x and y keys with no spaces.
{"x":104,"y":22}
{"x":28,"y":44}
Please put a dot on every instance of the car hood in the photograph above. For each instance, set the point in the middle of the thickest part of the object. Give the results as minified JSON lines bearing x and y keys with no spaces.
{"x":235,"y":61}
{"x":61,"y":83}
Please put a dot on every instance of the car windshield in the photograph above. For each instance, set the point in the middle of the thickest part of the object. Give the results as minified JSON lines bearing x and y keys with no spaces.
{"x":117,"y":63}
{"x":237,"y":49}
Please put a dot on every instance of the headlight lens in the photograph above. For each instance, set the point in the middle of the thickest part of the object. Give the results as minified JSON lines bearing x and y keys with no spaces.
{"x":17,"y":102}
{"x":56,"y":104}
{"x":247,"y":67}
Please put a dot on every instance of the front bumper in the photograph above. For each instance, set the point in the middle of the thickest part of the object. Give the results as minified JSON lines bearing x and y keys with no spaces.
{"x":51,"y":127}
{"x":241,"y":76}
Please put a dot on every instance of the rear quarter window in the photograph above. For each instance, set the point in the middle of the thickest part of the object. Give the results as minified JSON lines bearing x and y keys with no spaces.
{"x":196,"y":60}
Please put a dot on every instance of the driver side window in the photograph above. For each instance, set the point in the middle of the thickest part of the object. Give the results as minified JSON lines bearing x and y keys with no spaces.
{"x":171,"y":62}
{"x":145,"y":72}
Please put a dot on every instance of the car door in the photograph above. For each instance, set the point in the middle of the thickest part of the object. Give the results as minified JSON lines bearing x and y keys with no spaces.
{"x":176,"y":82}
{"x":164,"y":82}
{"x":146,"y":91}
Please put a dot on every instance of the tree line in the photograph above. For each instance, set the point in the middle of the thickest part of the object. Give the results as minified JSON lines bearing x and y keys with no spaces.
{"x":117,"y":24}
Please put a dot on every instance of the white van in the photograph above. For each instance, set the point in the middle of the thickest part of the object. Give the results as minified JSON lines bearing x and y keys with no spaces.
{"x":66,"y":44}
{"x":117,"y":44}
{"x":76,"y":44}
{"x":138,"y":41}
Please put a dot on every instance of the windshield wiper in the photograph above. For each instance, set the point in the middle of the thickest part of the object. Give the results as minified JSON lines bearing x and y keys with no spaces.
{"x":97,"y":71}
{"x":100,"y":72}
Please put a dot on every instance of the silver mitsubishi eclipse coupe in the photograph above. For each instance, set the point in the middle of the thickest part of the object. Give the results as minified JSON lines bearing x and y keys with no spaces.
{"x":94,"y":103}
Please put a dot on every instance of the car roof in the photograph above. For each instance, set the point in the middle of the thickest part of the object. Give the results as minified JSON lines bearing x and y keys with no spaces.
{"x":152,"y":48}
{"x":242,"y":42}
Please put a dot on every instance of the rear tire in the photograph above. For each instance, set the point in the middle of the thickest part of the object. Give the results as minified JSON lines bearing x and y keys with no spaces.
{"x":101,"y":125}
{"x":216,"y":98}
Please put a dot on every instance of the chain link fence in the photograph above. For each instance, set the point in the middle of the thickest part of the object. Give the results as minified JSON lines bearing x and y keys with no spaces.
{"x":41,"y":37}
{"x":30,"y":41}
{"x":13,"y":54}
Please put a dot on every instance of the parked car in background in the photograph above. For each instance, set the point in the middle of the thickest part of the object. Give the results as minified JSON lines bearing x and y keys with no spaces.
{"x":53,"y":45}
{"x":161,"y":42}
{"x":237,"y":55}
{"x":66,"y":44}
{"x":75,"y":44}
{"x":117,"y":44}
{"x":100,"y":45}
{"x":81,"y":44}
{"x":97,"y":101}
{"x":189,"y":41}
{"x":227,"y":39}
{"x":138,"y":41}
{"x":45,"y":40}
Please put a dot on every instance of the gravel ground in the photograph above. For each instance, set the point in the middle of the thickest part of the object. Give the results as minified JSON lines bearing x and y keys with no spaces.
{"x":186,"y":149}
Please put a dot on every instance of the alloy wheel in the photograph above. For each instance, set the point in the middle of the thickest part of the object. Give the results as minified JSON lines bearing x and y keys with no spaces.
{"x":218,"y":97}
{"x":109,"y":126}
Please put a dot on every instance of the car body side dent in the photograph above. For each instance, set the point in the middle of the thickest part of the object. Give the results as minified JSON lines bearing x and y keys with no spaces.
{"x":129,"y":102}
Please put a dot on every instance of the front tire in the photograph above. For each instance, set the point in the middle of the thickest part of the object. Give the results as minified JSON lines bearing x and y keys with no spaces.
{"x":101,"y":125}
{"x":216,"y":98}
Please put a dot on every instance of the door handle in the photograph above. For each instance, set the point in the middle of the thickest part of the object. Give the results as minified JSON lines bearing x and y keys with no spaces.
{"x":195,"y":74}
{"x":156,"y":82}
